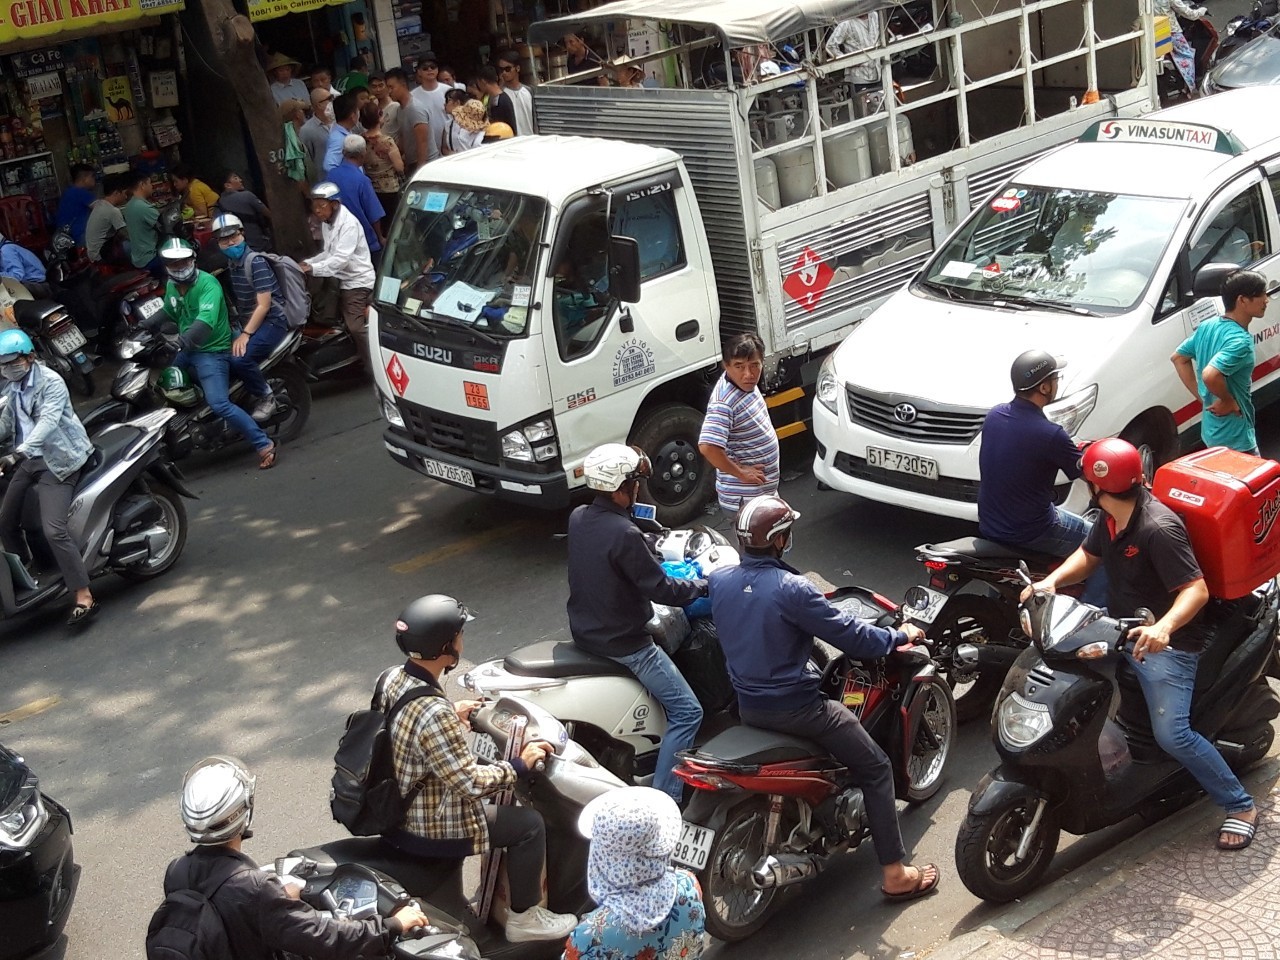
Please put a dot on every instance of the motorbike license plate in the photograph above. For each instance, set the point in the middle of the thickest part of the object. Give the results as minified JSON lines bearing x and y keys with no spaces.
{"x":482,"y":746}
{"x":693,"y":849}
{"x":900,"y":462}
{"x":69,"y":341}
{"x":923,"y":604}
{"x":447,"y":471}
{"x":149,"y":308}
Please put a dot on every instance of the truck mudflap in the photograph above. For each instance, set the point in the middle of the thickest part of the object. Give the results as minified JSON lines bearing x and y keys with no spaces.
{"x":548,"y":491}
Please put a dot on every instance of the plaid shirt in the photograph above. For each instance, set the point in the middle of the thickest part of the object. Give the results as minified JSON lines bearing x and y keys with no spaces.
{"x":430,"y":744}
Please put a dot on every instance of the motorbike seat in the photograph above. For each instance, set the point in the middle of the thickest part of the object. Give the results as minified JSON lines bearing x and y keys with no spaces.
{"x":29,"y":313}
{"x":556,"y":659}
{"x":980,"y":549}
{"x":421,"y":876}
{"x":118,"y":284}
{"x":744,"y":744}
{"x":107,"y":446}
{"x":281,"y":349}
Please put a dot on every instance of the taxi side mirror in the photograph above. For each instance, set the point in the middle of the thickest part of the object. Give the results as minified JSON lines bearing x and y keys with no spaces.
{"x":1210,"y":277}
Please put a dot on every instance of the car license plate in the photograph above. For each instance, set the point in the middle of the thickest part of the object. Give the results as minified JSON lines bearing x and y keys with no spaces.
{"x":923,"y":604}
{"x":694,"y":846}
{"x":149,"y":308}
{"x":447,"y":471}
{"x":899,"y":462}
{"x":69,"y":341}
{"x":482,"y":746}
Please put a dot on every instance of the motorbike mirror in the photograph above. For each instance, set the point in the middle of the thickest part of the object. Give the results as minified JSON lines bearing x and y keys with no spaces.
{"x":285,"y":866}
{"x":1145,"y":615}
{"x":1024,"y":572}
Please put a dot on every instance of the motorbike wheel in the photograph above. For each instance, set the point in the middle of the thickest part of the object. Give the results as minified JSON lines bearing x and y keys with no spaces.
{"x":968,"y":618}
{"x":682,"y":479}
{"x":932,"y":746}
{"x":735,"y":907}
{"x":290,"y":380}
{"x":174,"y":520}
{"x":987,"y":850}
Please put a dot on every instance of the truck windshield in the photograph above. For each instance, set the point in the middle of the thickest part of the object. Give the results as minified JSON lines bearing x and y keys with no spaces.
{"x":463,"y":256}
{"x":1083,"y":252}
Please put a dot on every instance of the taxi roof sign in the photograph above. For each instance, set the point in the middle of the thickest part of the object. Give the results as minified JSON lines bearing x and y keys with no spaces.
{"x":1197,"y":136}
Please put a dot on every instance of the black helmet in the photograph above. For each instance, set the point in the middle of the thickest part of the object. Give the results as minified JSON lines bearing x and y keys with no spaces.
{"x":1033,"y":368}
{"x":427,"y":627}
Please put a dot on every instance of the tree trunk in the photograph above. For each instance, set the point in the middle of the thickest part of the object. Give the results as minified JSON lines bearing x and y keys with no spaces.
{"x":233,"y":40}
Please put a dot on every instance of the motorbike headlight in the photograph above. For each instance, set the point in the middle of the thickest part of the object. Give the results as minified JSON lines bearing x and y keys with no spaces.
{"x":828,"y":390}
{"x":391,"y":413}
{"x":130,"y":348}
{"x":1071,"y":412}
{"x":1024,"y":620}
{"x":23,"y":819}
{"x":1022,"y":722}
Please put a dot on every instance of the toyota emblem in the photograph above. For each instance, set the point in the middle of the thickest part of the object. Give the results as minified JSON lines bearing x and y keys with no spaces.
{"x":905,"y":413}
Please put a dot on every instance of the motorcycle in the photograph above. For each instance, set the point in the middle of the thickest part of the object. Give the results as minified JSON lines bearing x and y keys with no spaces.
{"x":136,"y":388}
{"x":127,"y":516}
{"x":59,"y":342}
{"x":1244,"y":28}
{"x":770,"y":810}
{"x":1202,"y":35}
{"x":1074,"y":735}
{"x":559,"y":791}
{"x":329,"y":352}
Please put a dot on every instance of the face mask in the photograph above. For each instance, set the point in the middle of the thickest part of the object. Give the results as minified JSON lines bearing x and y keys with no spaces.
{"x":327,"y":113}
{"x":184,"y":274}
{"x":14,"y":371}
{"x":237,"y":251}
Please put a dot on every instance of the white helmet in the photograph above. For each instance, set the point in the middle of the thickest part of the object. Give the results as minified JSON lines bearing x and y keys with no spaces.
{"x":217,"y":800}
{"x":227,"y":225}
{"x":179,"y":260}
{"x":610,"y":465}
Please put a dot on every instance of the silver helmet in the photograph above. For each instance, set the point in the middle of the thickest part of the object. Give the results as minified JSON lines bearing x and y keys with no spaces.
{"x":217,"y":800}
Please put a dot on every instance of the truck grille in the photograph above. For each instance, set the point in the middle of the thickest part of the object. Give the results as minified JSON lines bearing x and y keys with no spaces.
{"x":948,"y":488}
{"x":477,"y":439}
{"x":929,"y":423}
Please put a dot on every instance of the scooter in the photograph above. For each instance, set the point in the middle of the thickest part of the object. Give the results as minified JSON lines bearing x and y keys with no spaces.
{"x":127,"y":516}
{"x":60,"y":344}
{"x":1244,"y":28}
{"x":559,"y":791}
{"x":1202,"y":35}
{"x":136,"y":389}
{"x":1074,"y":735}
{"x":770,"y":810}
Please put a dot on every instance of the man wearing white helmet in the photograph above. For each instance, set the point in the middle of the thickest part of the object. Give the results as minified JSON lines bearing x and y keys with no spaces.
{"x":261,"y":917}
{"x":614,"y":578}
{"x":345,"y":256}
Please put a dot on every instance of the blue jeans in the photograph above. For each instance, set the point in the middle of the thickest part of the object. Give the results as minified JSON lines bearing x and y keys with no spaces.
{"x":263,"y":340}
{"x":1168,"y":679}
{"x":213,"y":370}
{"x":1061,"y":540}
{"x":654,"y":669}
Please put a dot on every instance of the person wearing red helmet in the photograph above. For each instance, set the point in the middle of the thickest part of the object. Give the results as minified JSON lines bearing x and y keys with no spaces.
{"x":1149,"y":562}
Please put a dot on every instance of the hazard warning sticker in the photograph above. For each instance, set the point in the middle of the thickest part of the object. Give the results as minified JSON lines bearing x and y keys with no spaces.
{"x":398,"y":376}
{"x":808,"y":280}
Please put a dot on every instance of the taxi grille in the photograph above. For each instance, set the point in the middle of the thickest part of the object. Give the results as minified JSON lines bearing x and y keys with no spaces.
{"x":930,"y":423}
{"x":476,"y":439}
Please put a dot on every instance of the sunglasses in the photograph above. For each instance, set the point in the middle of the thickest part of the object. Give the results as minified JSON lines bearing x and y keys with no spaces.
{"x":506,"y":68}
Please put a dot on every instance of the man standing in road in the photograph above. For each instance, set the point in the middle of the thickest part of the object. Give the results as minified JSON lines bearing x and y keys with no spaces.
{"x":345,"y":256}
{"x":737,"y":435}
{"x":314,"y":134}
{"x":521,"y":98}
{"x":429,"y":95}
{"x":1216,"y":363}
{"x":413,"y":128}
{"x":346,"y":113}
{"x":614,"y":580}
{"x":355,"y":191}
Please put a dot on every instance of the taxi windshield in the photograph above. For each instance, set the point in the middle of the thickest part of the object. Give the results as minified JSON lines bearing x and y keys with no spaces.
{"x":460,"y":256}
{"x":1069,"y":250}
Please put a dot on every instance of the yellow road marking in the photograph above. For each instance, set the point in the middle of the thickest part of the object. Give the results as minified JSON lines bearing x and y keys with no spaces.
{"x":29,"y":710}
{"x":451,"y":550}
{"x":790,"y":430}
{"x":786,"y":396}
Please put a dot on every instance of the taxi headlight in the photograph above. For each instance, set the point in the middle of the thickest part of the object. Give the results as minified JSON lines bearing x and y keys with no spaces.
{"x":1022,"y":722}
{"x":828,"y":389}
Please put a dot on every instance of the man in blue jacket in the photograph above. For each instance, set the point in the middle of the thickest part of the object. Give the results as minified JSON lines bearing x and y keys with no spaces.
{"x":767,"y":615}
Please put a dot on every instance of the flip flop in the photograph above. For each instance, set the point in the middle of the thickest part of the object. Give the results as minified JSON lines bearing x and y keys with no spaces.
{"x":922,"y":888}
{"x":80,"y":614}
{"x":267,"y":458}
{"x":1234,"y":826}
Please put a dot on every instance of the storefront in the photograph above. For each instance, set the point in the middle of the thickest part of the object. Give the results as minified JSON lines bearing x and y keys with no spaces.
{"x":329,"y":32}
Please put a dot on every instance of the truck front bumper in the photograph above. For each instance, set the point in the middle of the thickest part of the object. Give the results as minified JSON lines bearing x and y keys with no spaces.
{"x":550,"y":491}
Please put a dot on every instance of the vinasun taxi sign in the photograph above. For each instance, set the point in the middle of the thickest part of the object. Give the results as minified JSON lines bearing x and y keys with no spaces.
{"x":1197,"y":136}
{"x":27,"y":19}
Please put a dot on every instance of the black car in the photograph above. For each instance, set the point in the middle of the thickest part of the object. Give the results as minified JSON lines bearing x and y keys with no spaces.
{"x":1255,"y":64}
{"x":38,"y":873}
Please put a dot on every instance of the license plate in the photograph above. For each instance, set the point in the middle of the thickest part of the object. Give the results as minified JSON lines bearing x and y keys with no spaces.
{"x":447,"y":471}
{"x":149,"y":308}
{"x":899,"y":462}
{"x":69,"y":341}
{"x":694,"y":846}
{"x":482,"y":746}
{"x":923,"y":604}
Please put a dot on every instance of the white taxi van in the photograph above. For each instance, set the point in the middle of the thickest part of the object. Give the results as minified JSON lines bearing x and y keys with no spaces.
{"x":1107,"y":252}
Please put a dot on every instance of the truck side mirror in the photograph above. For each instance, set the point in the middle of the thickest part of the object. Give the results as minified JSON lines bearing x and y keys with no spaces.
{"x":1210,"y":277}
{"x":624,"y":269}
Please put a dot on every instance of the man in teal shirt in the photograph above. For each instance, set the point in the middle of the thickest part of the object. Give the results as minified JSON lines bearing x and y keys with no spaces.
{"x":1216,"y":363}
{"x":142,"y":218}
{"x":194,"y":301}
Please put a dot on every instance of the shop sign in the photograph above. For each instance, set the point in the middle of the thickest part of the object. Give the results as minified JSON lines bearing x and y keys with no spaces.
{"x":164,"y":88}
{"x":43,"y":86}
{"x":118,"y":98}
{"x":270,"y":9}
{"x":34,"y":62}
{"x":24,"y":19}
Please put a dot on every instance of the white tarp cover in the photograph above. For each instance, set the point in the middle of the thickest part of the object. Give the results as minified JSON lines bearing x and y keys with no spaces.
{"x":738,"y":22}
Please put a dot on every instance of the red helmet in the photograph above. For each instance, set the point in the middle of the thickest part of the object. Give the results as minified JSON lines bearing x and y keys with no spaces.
{"x":763,"y":518}
{"x":1112,"y":465}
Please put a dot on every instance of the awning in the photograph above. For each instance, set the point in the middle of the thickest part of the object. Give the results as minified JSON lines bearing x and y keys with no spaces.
{"x":738,"y":22}
{"x":34,"y":19}
{"x":271,"y":9}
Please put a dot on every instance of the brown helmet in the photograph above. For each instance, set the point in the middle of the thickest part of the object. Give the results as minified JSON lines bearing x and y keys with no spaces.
{"x":763,"y":518}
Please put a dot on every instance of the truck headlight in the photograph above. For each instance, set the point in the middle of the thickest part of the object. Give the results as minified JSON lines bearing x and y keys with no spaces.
{"x":391,"y":413}
{"x":1022,"y":722}
{"x":828,"y":391}
{"x":1071,"y":412}
{"x":533,"y":441}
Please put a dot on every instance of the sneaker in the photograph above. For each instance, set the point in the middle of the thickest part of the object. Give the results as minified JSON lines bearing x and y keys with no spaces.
{"x":263,"y":408}
{"x":539,"y":923}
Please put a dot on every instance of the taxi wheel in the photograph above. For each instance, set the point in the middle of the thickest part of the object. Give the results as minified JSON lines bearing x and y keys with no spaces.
{"x":1153,"y":446}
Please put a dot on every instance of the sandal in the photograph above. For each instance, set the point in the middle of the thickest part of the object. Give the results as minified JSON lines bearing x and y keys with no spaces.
{"x":925,"y":885}
{"x":267,"y":458}
{"x":80,"y":614}
{"x":1235,"y":827}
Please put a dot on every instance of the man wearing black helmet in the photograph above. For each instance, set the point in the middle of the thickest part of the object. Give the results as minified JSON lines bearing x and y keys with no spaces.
{"x":434,"y":764}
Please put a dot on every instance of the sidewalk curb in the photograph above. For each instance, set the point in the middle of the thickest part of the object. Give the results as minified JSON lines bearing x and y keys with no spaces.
{"x":1042,"y":908}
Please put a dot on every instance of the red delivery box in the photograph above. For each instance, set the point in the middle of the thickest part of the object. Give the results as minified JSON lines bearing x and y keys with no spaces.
{"x":1230,"y":503}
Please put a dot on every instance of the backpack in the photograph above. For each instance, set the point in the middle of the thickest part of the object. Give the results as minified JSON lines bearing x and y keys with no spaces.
{"x":187,"y":925}
{"x":365,"y":796}
{"x":295,"y":298}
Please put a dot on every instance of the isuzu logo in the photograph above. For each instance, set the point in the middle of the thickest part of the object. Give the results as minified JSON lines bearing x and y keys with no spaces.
{"x":425,"y":351}
{"x":905,"y":413}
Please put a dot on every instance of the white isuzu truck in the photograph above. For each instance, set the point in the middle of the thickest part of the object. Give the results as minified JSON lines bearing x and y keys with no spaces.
{"x":545,"y":294}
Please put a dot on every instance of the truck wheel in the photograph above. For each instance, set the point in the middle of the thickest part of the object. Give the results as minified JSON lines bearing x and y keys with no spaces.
{"x":682,"y":480}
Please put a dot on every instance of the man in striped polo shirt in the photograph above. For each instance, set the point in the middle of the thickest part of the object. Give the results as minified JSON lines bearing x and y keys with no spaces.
{"x":737,"y":436}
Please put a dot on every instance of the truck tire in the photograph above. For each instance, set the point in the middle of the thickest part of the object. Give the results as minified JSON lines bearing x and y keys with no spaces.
{"x":682,"y":480}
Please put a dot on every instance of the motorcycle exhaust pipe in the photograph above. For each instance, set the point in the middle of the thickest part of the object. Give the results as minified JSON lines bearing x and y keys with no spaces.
{"x":784,"y":869}
{"x":993,"y":655}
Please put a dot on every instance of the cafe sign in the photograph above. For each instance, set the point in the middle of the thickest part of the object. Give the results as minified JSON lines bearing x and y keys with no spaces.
{"x":27,"y":19}
{"x":271,"y":9}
